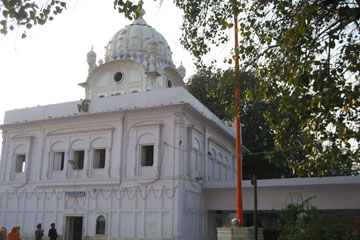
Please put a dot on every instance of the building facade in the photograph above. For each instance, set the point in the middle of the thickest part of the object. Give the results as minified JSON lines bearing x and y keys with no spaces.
{"x":138,"y":158}
{"x":127,"y":162}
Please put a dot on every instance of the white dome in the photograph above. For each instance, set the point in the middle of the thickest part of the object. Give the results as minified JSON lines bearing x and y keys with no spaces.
{"x":138,"y":41}
{"x":91,"y":57}
{"x":137,"y":58}
{"x":181,"y":69}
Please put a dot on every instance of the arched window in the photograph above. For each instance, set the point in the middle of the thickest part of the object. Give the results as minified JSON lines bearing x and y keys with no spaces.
{"x":100,"y":225}
{"x":221,"y":167}
{"x":20,"y":158}
{"x":195,"y":155}
{"x":215,"y":169}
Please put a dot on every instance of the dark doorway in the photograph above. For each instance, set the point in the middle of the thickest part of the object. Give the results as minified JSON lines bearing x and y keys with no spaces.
{"x":74,"y":227}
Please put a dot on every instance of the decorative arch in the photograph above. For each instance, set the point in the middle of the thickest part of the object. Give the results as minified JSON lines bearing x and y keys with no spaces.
{"x":78,"y":148}
{"x":145,"y":143}
{"x":20,"y":155}
{"x":52,"y":145}
{"x":145,"y":138}
{"x":98,"y":147}
{"x":145,"y":148}
{"x":216,"y":168}
{"x":212,"y":163}
{"x":221,"y":157}
{"x":173,"y":74}
{"x":20,"y":148}
{"x":196,"y":157}
{"x":196,"y":143}
{"x":227,"y":168}
{"x":100,"y":225}
{"x":75,"y":144}
{"x":98,"y":142}
{"x":213,"y":153}
{"x":221,"y":169}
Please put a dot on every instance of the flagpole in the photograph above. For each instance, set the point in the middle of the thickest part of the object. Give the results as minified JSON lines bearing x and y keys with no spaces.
{"x":239,"y":202}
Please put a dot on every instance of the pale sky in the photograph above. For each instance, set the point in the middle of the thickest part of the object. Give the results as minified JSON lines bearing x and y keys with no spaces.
{"x":46,"y":67}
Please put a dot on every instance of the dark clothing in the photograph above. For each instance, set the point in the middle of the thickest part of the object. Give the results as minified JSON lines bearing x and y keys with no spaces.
{"x":3,"y":233}
{"x":52,"y":234}
{"x":39,"y":233}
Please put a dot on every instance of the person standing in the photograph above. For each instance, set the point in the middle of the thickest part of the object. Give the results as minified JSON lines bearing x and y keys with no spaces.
{"x":52,"y":232}
{"x":39,"y":233}
{"x":14,"y":234}
{"x":3,"y":233}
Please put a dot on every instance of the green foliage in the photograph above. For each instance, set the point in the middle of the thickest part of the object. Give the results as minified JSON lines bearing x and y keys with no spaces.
{"x":306,"y":51}
{"x":128,"y":8}
{"x":259,"y":139}
{"x":200,"y":85}
{"x":215,"y":89}
{"x":307,"y":55}
{"x":207,"y":86}
{"x":305,"y":222}
{"x":26,"y":13}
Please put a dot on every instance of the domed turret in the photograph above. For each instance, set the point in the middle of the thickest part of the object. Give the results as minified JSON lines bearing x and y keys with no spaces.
{"x":91,"y":57}
{"x":182,"y":71}
{"x":91,"y":60}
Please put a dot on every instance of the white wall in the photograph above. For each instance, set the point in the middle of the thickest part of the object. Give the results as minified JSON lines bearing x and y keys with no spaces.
{"x":334,"y":193}
{"x":164,"y":201}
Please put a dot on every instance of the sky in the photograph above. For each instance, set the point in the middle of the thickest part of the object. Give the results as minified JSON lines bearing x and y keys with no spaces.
{"x":46,"y":67}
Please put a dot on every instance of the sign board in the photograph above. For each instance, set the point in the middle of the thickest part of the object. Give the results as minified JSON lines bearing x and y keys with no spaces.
{"x":75,"y":193}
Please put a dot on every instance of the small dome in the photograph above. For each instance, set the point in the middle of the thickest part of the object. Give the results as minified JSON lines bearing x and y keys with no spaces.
{"x":91,"y":57}
{"x":181,"y":69}
{"x":137,"y":41}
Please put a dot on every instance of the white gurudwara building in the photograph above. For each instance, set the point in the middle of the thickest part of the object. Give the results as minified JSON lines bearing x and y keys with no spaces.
{"x":138,"y":158}
{"x":127,"y":162}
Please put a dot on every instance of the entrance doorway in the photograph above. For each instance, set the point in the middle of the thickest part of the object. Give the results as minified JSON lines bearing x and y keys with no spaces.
{"x":74,"y":225}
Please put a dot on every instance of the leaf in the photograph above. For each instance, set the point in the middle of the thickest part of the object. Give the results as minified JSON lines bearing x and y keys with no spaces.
{"x":5,"y":13}
{"x":302,"y":30}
